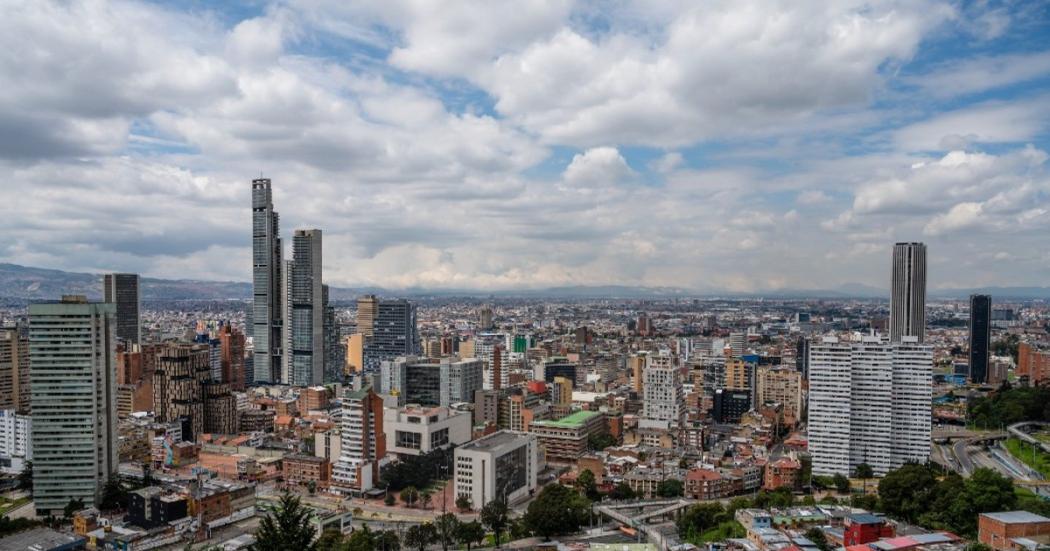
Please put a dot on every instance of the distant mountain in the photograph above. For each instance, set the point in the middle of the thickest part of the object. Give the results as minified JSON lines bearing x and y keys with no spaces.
{"x":22,"y":283}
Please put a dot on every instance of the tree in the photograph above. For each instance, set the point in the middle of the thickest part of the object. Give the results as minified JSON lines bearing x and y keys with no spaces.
{"x":286,"y":526}
{"x":72,"y":507}
{"x":410,"y":495}
{"x":977,"y":546}
{"x":361,"y":540}
{"x":387,"y":540}
{"x":701,"y":517}
{"x":816,"y":535}
{"x":841,"y":483}
{"x":114,"y":495}
{"x":389,"y":500}
{"x":463,"y":503}
{"x":470,"y":533}
{"x":621,"y":492}
{"x":447,"y":526}
{"x":426,"y":498}
{"x":420,"y":536}
{"x":906,"y":492}
{"x":670,"y":488}
{"x":864,"y":471}
{"x":330,"y":540}
{"x":25,"y":478}
{"x":598,"y":442}
{"x":494,"y":515}
{"x":556,"y":511}
{"x":586,"y":484}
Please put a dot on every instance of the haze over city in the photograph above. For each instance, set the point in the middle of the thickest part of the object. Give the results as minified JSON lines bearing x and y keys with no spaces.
{"x":723,"y":146}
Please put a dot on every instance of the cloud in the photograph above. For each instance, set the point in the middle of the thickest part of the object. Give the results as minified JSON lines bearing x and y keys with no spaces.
{"x":598,"y":167}
{"x":987,"y":123}
{"x":979,"y":74}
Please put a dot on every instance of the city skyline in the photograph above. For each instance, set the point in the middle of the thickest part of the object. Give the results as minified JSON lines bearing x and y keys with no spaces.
{"x":437,"y":159}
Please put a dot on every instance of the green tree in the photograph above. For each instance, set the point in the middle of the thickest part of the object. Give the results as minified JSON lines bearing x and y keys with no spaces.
{"x":816,"y":535}
{"x":598,"y":442}
{"x":495,"y":515}
{"x":25,"y":478}
{"x":586,"y":484}
{"x":556,"y":511}
{"x":670,"y":488}
{"x":622,"y":491}
{"x":361,"y":540}
{"x":905,"y":493}
{"x":864,"y":471}
{"x":463,"y":503}
{"x":419,"y":536}
{"x":470,"y":533}
{"x":977,"y":546}
{"x":389,"y":500}
{"x":72,"y":507}
{"x":114,"y":495}
{"x":330,"y":540}
{"x":425,"y":498}
{"x":410,"y":495}
{"x":841,"y":483}
{"x":286,"y":526}
{"x":447,"y":526}
{"x":387,"y":540}
{"x":700,"y":518}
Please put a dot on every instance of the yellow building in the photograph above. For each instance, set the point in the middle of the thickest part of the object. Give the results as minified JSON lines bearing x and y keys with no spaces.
{"x":355,"y":352}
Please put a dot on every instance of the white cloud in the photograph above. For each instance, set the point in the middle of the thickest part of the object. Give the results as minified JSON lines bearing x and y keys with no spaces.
{"x":598,"y":167}
{"x":968,"y":76}
{"x":961,"y":216}
{"x":994,"y":122}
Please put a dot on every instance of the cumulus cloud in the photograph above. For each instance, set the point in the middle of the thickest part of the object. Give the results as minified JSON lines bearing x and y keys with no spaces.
{"x":598,"y":167}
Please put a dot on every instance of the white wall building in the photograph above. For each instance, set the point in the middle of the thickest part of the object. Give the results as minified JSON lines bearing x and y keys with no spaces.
{"x":869,"y":402}
{"x":414,"y":430}
{"x":15,"y":445}
{"x":503,"y":465}
{"x":663,"y":396}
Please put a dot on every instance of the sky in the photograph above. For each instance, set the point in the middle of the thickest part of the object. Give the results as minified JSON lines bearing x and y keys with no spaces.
{"x":500,"y":144}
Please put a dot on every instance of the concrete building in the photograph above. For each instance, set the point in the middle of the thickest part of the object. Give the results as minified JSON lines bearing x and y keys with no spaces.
{"x":430,"y":381}
{"x":367,"y":306}
{"x":869,"y":402}
{"x":414,"y":430}
{"x":1033,"y":363}
{"x":267,"y":286}
{"x":183,"y":390}
{"x":15,"y":441}
{"x":566,"y":440}
{"x":14,"y":370}
{"x":663,"y":397}
{"x":123,"y":291}
{"x":74,"y":401}
{"x":782,"y":385}
{"x":503,"y":465}
{"x":908,"y":292}
{"x":329,"y":444}
{"x":362,"y":442}
{"x":306,"y":311}
{"x":561,"y":392}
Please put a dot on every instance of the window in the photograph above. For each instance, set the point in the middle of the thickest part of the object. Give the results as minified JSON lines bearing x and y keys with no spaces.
{"x":412,"y":440}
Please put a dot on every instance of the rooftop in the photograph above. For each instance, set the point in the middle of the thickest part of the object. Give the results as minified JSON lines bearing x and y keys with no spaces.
{"x":39,"y":538}
{"x":493,"y":440}
{"x":1016,"y":517}
{"x":572,"y":421}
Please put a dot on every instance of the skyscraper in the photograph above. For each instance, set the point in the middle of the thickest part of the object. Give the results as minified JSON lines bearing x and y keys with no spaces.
{"x":123,"y":290}
{"x":232,"y":345}
{"x":980,"y":336}
{"x":74,"y":401}
{"x":14,"y":370}
{"x":662,"y":390}
{"x":307,"y":310}
{"x":869,"y":402}
{"x":363,"y":442}
{"x":366,"y":314}
{"x":334,"y":346}
{"x":394,"y":332}
{"x":267,"y":265}
{"x":184,"y":390}
{"x":908,"y":292}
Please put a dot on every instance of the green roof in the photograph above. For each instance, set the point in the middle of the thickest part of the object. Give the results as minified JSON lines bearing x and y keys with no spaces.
{"x":571,"y":421}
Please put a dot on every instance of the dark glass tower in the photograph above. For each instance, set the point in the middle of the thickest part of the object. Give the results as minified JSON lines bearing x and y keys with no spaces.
{"x":980,"y":336}
{"x":123,"y":291}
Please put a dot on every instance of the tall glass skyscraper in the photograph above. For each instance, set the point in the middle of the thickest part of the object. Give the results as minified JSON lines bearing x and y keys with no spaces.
{"x":980,"y":336}
{"x":307,"y":310}
{"x":908,"y":292}
{"x":123,"y":290}
{"x":74,"y":401}
{"x":267,"y":281}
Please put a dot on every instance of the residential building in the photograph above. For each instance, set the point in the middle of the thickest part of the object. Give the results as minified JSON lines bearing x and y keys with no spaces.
{"x":183,"y":391}
{"x":908,"y":292}
{"x":1011,"y":530}
{"x":865,"y":528}
{"x":663,"y":397}
{"x":415,"y":430}
{"x":869,"y":402}
{"x":362,"y":442}
{"x":561,"y":392}
{"x":1033,"y":364}
{"x":14,"y":370}
{"x":704,"y":484}
{"x":314,"y":398}
{"x":15,"y":443}
{"x":123,"y":291}
{"x":565,"y":440}
{"x":267,"y":282}
{"x":74,"y":401}
{"x":355,"y":350}
{"x":784,"y":472}
{"x":504,"y":465}
{"x":301,"y":470}
{"x":782,"y":385}
{"x":980,"y":337}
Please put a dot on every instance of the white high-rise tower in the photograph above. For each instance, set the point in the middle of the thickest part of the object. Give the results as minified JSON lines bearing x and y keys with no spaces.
{"x":908,"y":292}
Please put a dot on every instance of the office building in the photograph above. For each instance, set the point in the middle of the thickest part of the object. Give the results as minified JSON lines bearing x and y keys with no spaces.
{"x":565,"y":440}
{"x":908,"y":292}
{"x":367,"y":307}
{"x":415,"y":430}
{"x":362,"y":442}
{"x":184,"y":391}
{"x":334,"y":346}
{"x":430,"y":381}
{"x":231,"y":344}
{"x":503,"y":465}
{"x":394,"y":333}
{"x":15,"y":444}
{"x":869,"y":402}
{"x":355,"y":353}
{"x":306,"y":311}
{"x":485,"y":319}
{"x":558,"y":367}
{"x":738,"y":343}
{"x":636,"y":363}
{"x":14,"y":370}
{"x":802,"y":356}
{"x":123,"y":291}
{"x":980,"y":337}
{"x":663,"y":397}
{"x":267,"y":282}
{"x":730,"y":405}
{"x":74,"y":401}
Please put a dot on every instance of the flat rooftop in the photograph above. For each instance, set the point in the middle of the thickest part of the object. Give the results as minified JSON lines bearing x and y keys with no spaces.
{"x":42,"y":538}
{"x":1016,"y":517}
{"x":493,"y":441}
{"x":572,"y":421}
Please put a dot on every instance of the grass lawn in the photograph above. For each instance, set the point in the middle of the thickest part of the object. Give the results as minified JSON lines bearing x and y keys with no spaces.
{"x":7,"y":505}
{"x":722,"y":532}
{"x":1033,"y":457}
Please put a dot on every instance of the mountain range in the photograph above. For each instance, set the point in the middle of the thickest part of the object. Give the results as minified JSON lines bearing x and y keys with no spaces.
{"x":24,"y":283}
